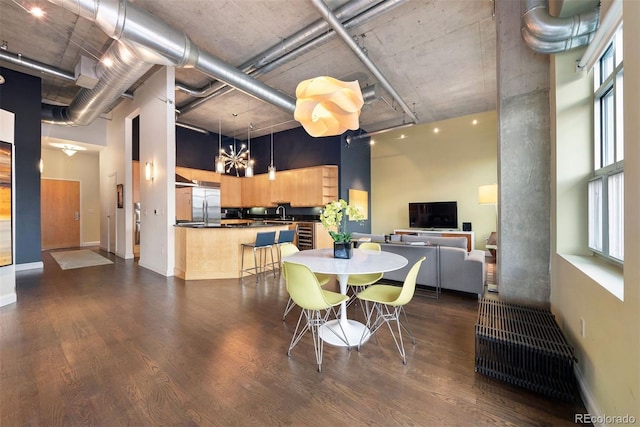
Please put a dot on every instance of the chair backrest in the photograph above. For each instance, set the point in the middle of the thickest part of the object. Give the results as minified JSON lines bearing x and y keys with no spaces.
{"x":409,"y":286}
{"x":303,"y":287}
{"x":286,"y":236}
{"x":372,"y":246}
{"x":285,"y":251}
{"x":265,"y":238}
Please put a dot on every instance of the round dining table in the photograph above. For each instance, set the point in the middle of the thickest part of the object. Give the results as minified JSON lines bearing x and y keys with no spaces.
{"x":363,"y":261}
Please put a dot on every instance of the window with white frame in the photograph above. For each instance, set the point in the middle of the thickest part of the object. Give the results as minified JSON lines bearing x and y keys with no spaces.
{"x":606,"y":188}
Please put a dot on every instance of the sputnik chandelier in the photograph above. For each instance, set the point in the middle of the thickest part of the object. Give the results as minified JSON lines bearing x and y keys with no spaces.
{"x":233,"y":159}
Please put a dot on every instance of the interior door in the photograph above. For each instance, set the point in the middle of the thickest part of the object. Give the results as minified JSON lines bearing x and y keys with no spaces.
{"x":60,"y":213}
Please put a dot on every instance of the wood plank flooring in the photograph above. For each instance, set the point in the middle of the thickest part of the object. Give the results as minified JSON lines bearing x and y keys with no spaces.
{"x":118,"y":345}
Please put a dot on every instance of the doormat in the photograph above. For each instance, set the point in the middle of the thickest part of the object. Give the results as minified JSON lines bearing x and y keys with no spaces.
{"x":68,"y":260}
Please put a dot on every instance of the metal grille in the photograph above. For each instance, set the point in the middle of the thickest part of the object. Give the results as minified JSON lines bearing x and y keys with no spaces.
{"x":524,"y":346}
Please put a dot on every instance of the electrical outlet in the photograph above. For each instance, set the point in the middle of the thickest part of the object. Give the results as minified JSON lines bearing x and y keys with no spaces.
{"x":582,"y":328}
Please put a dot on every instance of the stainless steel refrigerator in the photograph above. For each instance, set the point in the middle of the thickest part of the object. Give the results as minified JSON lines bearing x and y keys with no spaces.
{"x":205,"y":204}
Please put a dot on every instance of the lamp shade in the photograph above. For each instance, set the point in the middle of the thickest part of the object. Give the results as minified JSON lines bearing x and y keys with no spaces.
{"x":488,"y":194}
{"x":327,"y":107}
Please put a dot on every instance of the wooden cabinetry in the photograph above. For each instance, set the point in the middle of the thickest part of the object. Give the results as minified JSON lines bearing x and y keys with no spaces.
{"x":230,"y":191}
{"x":183,"y":204}
{"x":305,"y":187}
{"x":282,"y":187}
{"x":315,"y":186}
{"x":198,"y":174}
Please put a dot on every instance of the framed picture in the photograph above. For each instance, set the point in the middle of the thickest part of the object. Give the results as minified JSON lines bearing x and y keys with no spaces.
{"x":6,"y":224}
{"x":120,"y":195}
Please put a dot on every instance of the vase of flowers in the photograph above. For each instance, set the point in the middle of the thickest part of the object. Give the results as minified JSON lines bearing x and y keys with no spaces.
{"x":334,"y":219}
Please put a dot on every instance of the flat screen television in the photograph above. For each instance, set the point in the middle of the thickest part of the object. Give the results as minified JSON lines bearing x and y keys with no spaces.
{"x":433,"y":215}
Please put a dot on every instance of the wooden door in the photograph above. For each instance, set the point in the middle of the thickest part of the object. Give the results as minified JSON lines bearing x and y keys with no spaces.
{"x":60,"y":213}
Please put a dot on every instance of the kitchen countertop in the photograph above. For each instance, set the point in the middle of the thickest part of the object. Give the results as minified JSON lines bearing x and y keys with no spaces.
{"x":252,"y":224}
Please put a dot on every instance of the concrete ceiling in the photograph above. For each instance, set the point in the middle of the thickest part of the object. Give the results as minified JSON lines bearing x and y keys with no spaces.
{"x":439,"y":55}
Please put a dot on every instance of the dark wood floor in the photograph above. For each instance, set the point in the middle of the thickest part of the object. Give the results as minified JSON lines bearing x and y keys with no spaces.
{"x":119,"y":345}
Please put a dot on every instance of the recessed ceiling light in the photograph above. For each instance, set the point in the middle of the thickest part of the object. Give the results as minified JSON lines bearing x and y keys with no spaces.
{"x":436,"y":130}
{"x":474,"y":122}
{"x":37,"y":12}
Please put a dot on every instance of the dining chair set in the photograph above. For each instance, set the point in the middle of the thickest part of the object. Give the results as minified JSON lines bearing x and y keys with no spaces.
{"x":381,"y":304}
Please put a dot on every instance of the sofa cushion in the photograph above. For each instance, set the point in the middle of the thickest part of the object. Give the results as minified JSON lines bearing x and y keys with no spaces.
{"x":454,"y":242}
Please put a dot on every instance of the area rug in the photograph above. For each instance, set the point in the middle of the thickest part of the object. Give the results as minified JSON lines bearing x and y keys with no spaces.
{"x":68,"y":260}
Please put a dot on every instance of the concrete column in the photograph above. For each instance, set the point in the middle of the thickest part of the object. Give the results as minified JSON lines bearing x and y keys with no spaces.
{"x":524,"y":168}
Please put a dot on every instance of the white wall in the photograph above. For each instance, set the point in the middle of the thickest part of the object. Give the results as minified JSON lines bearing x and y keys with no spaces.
{"x":8,"y":273}
{"x":154,"y":103}
{"x":427,"y":167}
{"x":609,"y":352}
{"x":83,"y":167}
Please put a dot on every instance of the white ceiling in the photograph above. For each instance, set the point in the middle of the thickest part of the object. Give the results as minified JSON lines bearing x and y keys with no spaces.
{"x":439,"y":55}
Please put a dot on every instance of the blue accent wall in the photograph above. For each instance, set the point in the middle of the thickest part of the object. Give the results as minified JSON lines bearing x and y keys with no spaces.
{"x":21,"y":94}
{"x":355,"y":173}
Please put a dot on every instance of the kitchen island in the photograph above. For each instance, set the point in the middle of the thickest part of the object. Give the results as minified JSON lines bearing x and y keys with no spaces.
{"x":214,"y":252}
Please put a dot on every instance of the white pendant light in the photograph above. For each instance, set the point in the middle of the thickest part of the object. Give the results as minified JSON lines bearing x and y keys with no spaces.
{"x":248,"y":172}
{"x":218,"y":160}
{"x":272,"y":169}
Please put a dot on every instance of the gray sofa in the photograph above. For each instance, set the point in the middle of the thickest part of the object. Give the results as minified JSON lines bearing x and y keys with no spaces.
{"x":459,"y":270}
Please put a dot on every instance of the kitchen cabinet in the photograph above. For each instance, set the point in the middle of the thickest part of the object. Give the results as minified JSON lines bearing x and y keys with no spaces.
{"x":230,"y":191}
{"x":314,"y":186}
{"x":198,"y":174}
{"x":282,"y":187}
{"x":183,"y":204}
{"x":256,"y":191}
{"x":304,"y":187}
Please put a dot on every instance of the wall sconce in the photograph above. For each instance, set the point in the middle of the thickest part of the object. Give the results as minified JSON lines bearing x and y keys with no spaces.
{"x":41,"y":166}
{"x":148,"y":171}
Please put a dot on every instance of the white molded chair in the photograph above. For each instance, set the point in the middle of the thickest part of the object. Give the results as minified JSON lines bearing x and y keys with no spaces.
{"x":290,"y":249}
{"x":388,"y":302}
{"x":305,"y":291}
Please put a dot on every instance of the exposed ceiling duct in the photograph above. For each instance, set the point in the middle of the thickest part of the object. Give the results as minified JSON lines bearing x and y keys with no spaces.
{"x":544,"y":33}
{"x":293,"y":47}
{"x":339,"y":29}
{"x":144,"y":40}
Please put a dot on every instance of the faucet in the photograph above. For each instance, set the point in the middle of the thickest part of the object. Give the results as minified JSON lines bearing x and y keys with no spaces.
{"x":283,"y":215}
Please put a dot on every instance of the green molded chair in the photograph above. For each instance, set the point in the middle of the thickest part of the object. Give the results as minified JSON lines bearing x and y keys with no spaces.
{"x":290,"y":249}
{"x":358,"y":282}
{"x":388,"y":302}
{"x":304,"y":289}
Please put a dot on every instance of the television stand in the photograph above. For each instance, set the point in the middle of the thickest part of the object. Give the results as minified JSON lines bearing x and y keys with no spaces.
{"x":440,"y":233}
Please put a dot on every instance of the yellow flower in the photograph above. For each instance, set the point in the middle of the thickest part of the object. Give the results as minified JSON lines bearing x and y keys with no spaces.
{"x":334,"y":216}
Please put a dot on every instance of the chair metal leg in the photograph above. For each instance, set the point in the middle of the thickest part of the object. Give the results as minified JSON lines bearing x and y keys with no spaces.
{"x":288,"y":308}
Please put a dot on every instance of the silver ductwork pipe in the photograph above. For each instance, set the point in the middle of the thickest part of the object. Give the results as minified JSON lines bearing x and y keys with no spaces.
{"x":339,"y":29}
{"x":113,"y":81}
{"x":32,"y":64}
{"x":291,"y":48}
{"x":151,"y":41}
{"x":544,"y":33}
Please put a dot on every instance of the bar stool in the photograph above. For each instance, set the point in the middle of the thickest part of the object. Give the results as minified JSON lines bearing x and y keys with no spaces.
{"x":284,"y":237}
{"x":262,"y":246}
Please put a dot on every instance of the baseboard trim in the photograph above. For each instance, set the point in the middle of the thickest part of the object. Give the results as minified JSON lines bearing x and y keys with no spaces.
{"x":90,"y":243}
{"x":30,"y":266}
{"x":8,"y":299}
{"x":587,"y":398}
